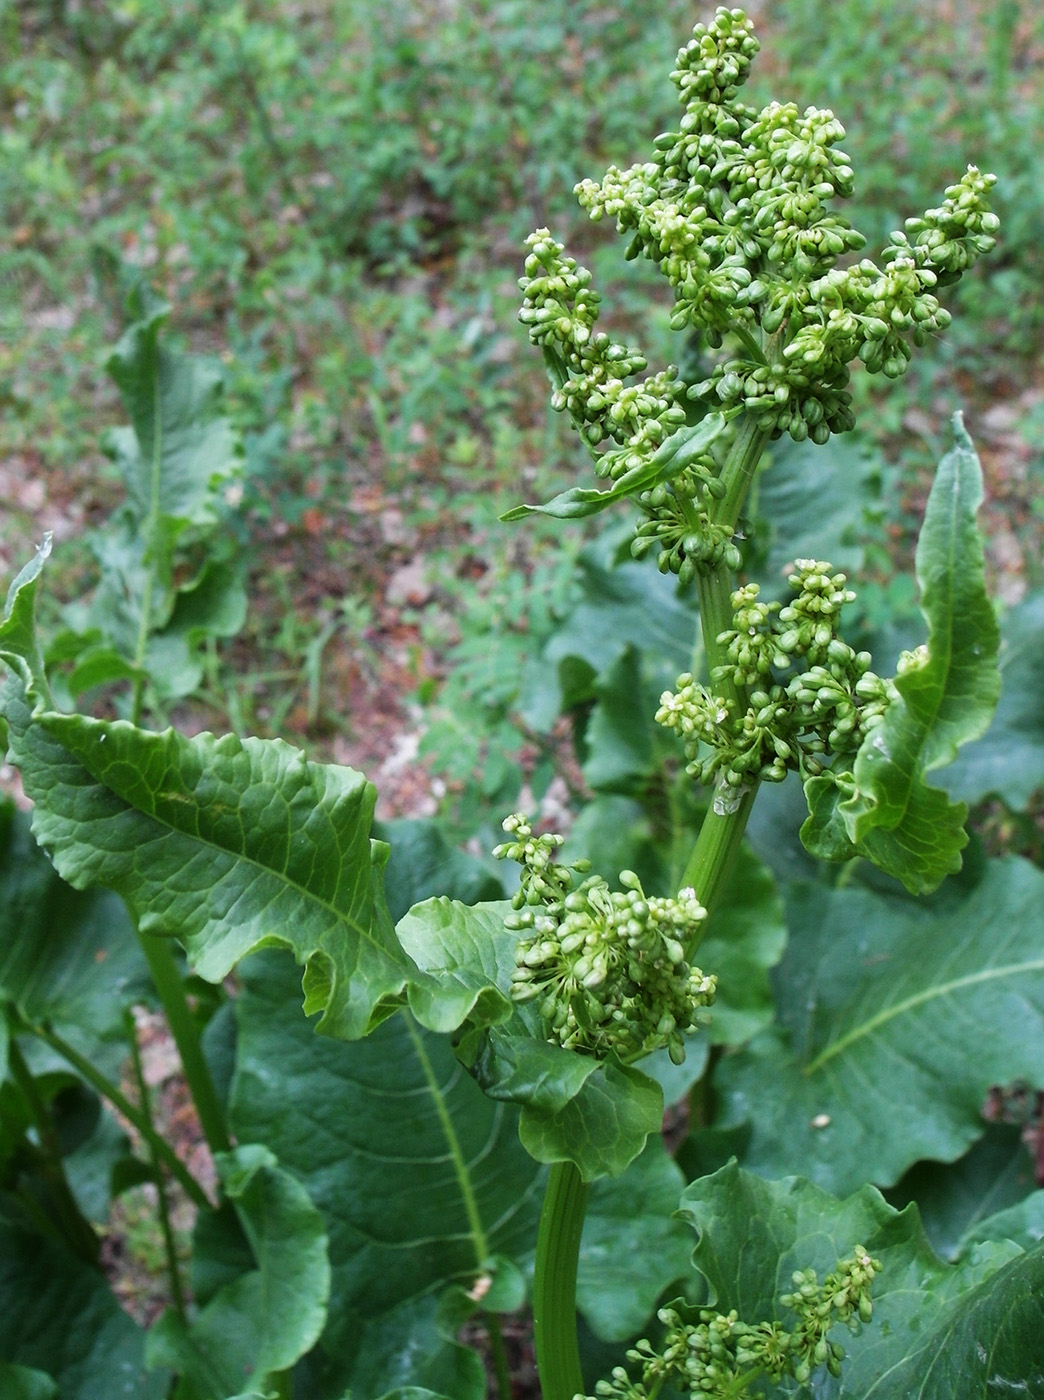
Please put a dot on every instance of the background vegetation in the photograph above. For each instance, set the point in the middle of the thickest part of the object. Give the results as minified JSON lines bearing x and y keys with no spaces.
{"x":333,"y":196}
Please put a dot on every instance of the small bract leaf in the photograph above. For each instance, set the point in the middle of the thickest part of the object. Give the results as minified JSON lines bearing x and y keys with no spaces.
{"x":672,"y":457}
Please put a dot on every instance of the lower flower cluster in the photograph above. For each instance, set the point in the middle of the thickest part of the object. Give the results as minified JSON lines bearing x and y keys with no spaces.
{"x":705,"y":1353}
{"x":609,"y":967}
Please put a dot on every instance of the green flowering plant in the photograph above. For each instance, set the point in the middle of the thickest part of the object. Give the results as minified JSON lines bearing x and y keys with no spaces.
{"x":736,"y":209}
{"x":565,"y":1001}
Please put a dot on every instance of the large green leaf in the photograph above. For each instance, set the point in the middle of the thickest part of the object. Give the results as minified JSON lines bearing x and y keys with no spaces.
{"x":670,"y":458}
{"x":264,"y":1320}
{"x":894,"y":1021}
{"x":227,"y":844}
{"x":68,"y":958}
{"x":180,"y":450}
{"x":58,"y":1316}
{"x":1009,"y":758}
{"x":970,"y":1330}
{"x":886,"y":810}
{"x":420,"y":1179}
{"x":594,"y":1113}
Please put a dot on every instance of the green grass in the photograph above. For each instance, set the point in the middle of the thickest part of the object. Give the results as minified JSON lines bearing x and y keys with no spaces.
{"x":333,"y":197}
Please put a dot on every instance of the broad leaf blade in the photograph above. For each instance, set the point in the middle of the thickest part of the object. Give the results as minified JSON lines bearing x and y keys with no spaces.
{"x":947,"y":695}
{"x":408,"y":1209}
{"x":182,"y":450}
{"x":58,"y":1316}
{"x":879,"y":1001}
{"x":227,"y":844}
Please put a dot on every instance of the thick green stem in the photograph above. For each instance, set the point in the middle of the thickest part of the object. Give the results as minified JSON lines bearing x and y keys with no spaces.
{"x":738,"y":470}
{"x":554,"y":1283}
{"x":166,"y":978}
{"x":157,"y":1144}
{"x":707,"y":871}
{"x":716,"y":848}
{"x":77,"y":1234}
{"x":714,"y":589}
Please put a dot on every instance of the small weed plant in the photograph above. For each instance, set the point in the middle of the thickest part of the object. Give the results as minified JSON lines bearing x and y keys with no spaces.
{"x":464,"y":1117}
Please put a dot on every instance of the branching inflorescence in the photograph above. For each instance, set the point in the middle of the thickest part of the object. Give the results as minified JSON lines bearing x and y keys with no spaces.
{"x":705,"y":1353}
{"x":735,"y":210}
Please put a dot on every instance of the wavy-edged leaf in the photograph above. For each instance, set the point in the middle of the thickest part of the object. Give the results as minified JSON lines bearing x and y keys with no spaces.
{"x":670,"y":458}
{"x":263,"y":1321}
{"x":181,"y":449}
{"x":939,"y":1330}
{"x":894,"y":1021}
{"x":947,"y":695}
{"x":420,"y":1179}
{"x":227,"y":844}
{"x":19,"y":645}
{"x":575,"y":1108}
{"x":1008,"y":760}
{"x":58,"y":1316}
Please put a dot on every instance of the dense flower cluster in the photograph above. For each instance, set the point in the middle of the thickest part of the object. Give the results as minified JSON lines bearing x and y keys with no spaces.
{"x":735,"y":210}
{"x":825,"y":710}
{"x":609,"y":967}
{"x":706,"y":1353}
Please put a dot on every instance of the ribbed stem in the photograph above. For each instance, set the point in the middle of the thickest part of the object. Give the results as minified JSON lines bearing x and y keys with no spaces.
{"x":554,"y":1283}
{"x":715,"y":851}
